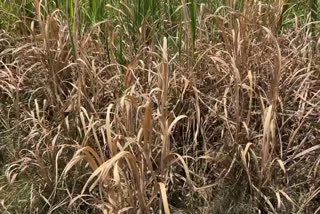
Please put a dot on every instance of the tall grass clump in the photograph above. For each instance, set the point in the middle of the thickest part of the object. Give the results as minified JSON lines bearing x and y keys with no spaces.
{"x":136,"y":106}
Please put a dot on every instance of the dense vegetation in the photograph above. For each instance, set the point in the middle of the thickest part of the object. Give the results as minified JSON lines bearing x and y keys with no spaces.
{"x":154,"y":106}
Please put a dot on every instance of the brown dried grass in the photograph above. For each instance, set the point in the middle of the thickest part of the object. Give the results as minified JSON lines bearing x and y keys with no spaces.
{"x":237,"y":119}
